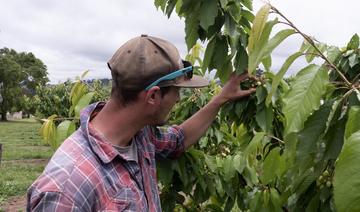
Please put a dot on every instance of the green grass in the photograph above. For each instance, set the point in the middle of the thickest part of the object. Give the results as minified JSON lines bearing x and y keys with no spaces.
{"x":15,"y":179}
{"x":22,"y":147}
{"x":21,"y":140}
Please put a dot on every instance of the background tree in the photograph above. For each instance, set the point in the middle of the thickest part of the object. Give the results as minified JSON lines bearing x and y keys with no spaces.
{"x":20,"y":73}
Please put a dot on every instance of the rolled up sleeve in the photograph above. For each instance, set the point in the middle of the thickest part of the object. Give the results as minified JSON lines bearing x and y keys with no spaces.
{"x":168,"y":141}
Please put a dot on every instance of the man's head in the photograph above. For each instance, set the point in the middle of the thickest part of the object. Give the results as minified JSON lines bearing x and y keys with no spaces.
{"x":145,"y":62}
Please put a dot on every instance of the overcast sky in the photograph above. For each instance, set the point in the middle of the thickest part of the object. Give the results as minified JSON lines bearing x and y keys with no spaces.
{"x":71,"y":36}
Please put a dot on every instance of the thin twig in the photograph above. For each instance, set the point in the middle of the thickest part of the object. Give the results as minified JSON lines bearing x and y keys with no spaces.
{"x":356,"y":77}
{"x":310,"y":53}
{"x":62,"y":118}
{"x":311,"y":42}
{"x":273,"y":137}
{"x":282,"y":22}
{"x":337,"y":83}
{"x":348,"y":93}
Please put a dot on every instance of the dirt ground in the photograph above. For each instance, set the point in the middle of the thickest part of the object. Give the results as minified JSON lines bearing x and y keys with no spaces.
{"x":15,"y":204}
{"x":18,"y":203}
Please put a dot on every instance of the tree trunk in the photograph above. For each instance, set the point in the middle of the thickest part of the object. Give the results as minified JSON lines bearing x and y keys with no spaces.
{"x":3,"y":116}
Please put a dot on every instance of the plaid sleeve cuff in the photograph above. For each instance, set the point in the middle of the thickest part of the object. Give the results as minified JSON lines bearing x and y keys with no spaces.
{"x":168,"y":141}
{"x":180,"y":141}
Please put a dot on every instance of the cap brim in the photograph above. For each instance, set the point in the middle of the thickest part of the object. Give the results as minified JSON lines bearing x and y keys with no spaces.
{"x":195,"y":82}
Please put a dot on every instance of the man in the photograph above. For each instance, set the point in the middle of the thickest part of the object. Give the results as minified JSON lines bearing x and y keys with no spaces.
{"x":108,"y":164}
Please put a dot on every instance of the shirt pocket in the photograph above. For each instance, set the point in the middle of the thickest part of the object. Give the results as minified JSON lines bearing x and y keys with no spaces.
{"x":123,"y":200}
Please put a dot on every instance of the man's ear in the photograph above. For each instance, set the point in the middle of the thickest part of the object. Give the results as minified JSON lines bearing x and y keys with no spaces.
{"x":153,"y":96}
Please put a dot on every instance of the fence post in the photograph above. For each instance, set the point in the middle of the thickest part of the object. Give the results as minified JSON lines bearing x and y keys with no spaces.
{"x":0,"y":152}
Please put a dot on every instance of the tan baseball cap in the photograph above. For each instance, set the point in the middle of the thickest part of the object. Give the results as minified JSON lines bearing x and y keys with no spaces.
{"x":142,"y":60}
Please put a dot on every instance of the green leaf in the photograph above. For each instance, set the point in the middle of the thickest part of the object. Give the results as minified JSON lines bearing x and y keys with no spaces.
{"x":209,"y":53}
{"x":223,"y":3}
{"x":273,"y":166}
{"x":254,"y":143}
{"x":310,"y":136}
{"x":304,"y":97}
{"x":256,"y":203}
{"x":216,"y":28}
{"x":220,"y":59}
{"x":264,"y":117}
{"x":257,"y":56}
{"x":304,"y":46}
{"x":241,"y":60}
{"x":64,"y":130}
{"x":230,"y":26}
{"x":314,"y":203}
{"x":280,"y":75}
{"x":334,"y":140}
{"x":247,"y":4}
{"x":310,"y":54}
{"x":247,"y":15}
{"x":164,"y":171}
{"x":258,"y":26}
{"x":219,"y":56}
{"x":333,"y":53}
{"x":267,"y":62}
{"x":250,"y":176}
{"x":208,"y":13}
{"x":83,"y":102}
{"x":84,"y":74}
{"x":346,"y":178}
{"x":48,"y":131}
{"x":353,"y":60}
{"x":275,"y":199}
{"x":191,"y":29}
{"x":161,"y":4}
{"x":225,"y":71}
{"x":229,"y":171}
{"x":211,"y":163}
{"x":77,"y":91}
{"x":276,"y":40}
{"x":229,"y":204}
{"x":170,"y":7}
{"x":188,"y":7}
{"x":354,"y":42}
{"x":353,"y":123}
{"x":257,"y":53}
{"x":261,"y":93}
{"x":234,"y":9}
{"x":239,"y":162}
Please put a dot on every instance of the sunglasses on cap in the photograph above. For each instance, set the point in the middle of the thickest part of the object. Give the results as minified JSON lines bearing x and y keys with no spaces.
{"x":187,"y":71}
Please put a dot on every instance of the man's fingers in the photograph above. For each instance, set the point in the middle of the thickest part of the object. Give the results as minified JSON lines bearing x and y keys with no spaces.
{"x":240,"y":77}
{"x":248,"y":92}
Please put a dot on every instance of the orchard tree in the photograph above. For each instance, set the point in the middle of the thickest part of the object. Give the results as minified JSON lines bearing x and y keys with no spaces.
{"x":293,"y":145}
{"x":20,"y":73}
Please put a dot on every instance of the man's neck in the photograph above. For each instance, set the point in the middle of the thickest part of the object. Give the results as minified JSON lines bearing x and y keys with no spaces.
{"x":118,"y":123}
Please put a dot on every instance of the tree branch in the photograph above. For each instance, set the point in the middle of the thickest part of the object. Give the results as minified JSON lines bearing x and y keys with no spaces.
{"x":311,"y":42}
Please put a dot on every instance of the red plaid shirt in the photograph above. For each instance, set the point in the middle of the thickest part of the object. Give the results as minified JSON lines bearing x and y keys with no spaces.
{"x":87,"y":173}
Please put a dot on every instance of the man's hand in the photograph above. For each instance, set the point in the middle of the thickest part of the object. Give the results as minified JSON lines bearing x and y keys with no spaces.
{"x":232,"y":91}
{"x":197,"y":125}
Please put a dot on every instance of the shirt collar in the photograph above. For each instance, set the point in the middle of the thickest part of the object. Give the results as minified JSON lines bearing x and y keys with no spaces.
{"x":103,"y":149}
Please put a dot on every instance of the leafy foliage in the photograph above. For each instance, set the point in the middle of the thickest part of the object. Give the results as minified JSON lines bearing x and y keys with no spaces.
{"x":20,"y":74}
{"x":63,"y":103}
{"x":277,"y":149}
{"x":52,"y":99}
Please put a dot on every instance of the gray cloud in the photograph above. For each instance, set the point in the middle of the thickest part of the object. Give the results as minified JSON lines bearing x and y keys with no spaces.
{"x":72,"y":36}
